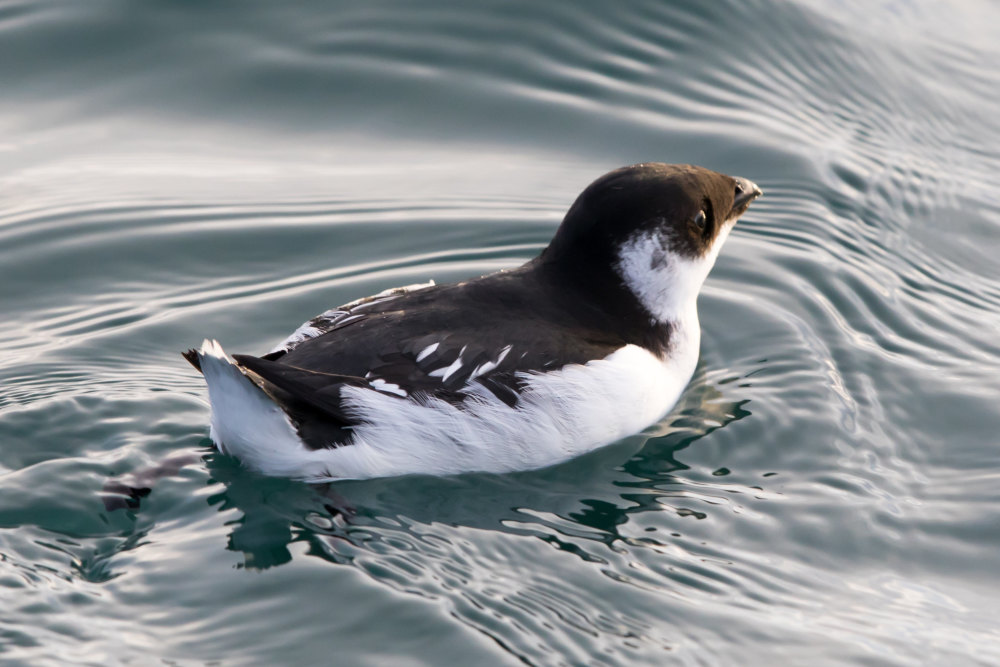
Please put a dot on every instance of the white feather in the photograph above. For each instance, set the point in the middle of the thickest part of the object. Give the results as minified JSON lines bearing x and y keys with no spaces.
{"x":381,"y":385}
{"x":245,"y":422}
{"x":427,"y":351}
{"x":304,"y":332}
{"x":490,"y":365}
{"x":447,"y":371}
{"x":387,"y":294}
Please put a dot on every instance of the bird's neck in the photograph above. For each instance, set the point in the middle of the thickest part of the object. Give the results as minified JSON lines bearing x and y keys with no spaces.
{"x":600,"y":301}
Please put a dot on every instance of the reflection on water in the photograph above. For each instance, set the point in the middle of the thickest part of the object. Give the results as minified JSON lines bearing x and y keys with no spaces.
{"x":406,"y":533}
{"x":277,"y":512}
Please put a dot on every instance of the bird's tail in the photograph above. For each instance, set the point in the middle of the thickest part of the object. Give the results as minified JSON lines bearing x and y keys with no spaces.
{"x":246,"y":423}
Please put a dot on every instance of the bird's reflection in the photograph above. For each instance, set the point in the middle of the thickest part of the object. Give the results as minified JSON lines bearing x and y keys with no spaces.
{"x":589,"y":498}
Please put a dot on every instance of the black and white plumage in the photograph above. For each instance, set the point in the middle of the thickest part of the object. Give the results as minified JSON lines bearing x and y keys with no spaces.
{"x":591,"y":341}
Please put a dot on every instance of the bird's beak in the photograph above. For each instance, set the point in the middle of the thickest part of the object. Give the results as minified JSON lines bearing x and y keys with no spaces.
{"x":746,"y":192}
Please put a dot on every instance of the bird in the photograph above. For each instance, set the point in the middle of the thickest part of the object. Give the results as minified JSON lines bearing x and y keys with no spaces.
{"x":591,"y":341}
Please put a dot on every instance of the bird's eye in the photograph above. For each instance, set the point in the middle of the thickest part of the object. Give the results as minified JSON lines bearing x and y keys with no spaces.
{"x":699,"y":220}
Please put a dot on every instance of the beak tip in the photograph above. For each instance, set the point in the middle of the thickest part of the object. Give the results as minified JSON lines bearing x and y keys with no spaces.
{"x":746,"y":192}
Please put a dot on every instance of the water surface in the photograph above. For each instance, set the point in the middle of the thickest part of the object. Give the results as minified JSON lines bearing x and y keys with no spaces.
{"x":827,"y":490}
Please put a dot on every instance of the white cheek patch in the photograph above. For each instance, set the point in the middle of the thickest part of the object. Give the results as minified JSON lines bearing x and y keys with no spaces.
{"x":664,"y":282}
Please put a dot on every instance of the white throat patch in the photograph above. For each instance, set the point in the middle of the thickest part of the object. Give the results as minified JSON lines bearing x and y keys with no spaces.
{"x":665,"y":283}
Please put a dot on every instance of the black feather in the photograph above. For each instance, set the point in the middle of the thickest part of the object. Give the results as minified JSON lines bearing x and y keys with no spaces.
{"x":193,"y":358}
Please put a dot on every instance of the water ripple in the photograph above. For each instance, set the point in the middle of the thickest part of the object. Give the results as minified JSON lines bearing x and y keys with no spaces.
{"x":827,"y":486}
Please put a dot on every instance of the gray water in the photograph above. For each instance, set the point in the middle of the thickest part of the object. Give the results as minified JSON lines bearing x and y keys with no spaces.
{"x":826,"y":492}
